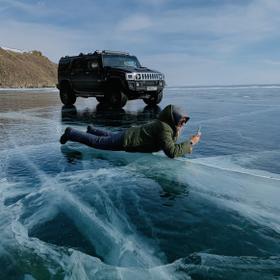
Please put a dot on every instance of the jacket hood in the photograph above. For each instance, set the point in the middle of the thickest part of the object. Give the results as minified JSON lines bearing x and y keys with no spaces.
{"x":171,"y":115}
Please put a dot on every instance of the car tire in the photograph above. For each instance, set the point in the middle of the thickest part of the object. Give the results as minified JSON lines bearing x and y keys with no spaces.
{"x":117,"y":99}
{"x":154,"y":99}
{"x":67,"y":96}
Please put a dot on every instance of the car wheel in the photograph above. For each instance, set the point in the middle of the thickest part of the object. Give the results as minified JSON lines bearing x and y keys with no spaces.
{"x":154,"y":99}
{"x":117,"y":99}
{"x":67,"y":96}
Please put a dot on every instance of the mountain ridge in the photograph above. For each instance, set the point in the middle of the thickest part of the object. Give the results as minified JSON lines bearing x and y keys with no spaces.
{"x":26,"y":69}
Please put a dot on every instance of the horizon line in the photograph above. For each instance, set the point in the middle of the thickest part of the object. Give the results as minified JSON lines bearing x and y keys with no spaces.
{"x":226,"y":85}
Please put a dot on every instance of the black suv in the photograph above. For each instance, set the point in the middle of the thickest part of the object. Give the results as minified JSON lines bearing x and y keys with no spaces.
{"x":111,"y":77}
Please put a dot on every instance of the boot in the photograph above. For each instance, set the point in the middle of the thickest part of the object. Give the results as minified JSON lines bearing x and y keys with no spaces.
{"x":65,"y":136}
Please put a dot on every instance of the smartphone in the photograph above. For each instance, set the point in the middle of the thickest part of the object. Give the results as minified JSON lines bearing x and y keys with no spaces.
{"x":199,"y":130}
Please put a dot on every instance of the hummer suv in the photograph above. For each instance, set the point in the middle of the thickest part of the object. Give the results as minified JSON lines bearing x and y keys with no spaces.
{"x":112,"y":77}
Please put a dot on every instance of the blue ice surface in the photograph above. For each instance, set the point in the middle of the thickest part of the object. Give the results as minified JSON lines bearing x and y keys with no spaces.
{"x":72,"y":212}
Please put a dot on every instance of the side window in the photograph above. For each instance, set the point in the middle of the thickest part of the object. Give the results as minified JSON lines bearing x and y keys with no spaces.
{"x":78,"y":65}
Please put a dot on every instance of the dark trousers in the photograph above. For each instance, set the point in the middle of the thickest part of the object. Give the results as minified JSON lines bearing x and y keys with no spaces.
{"x":97,"y":138}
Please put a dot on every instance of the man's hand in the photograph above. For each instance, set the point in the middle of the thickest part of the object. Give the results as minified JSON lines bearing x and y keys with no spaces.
{"x":195,"y":139}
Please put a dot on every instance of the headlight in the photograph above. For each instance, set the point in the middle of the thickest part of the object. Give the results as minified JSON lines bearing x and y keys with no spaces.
{"x":129,"y":76}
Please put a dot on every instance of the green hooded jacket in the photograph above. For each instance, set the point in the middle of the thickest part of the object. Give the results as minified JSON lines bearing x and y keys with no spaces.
{"x":157,"y":135}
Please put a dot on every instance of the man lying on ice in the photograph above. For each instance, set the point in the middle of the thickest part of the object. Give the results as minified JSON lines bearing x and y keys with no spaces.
{"x":160,"y":134}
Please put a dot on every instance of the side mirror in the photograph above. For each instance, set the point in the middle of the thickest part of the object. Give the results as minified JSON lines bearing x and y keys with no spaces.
{"x":93,"y":66}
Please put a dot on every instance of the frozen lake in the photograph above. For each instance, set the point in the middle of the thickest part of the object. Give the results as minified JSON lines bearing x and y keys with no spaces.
{"x":72,"y":212}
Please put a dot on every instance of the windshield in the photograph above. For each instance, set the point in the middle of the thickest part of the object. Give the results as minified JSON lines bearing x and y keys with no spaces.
{"x":121,"y":61}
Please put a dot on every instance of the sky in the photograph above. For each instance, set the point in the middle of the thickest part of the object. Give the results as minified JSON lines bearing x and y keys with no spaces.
{"x":193,"y":42}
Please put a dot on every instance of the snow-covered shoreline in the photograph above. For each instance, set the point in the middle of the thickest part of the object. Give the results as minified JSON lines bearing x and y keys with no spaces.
{"x":45,"y":89}
{"x":12,"y":49}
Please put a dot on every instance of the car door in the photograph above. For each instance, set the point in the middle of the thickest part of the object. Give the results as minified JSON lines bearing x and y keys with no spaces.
{"x":78,"y":74}
{"x":94,"y":76}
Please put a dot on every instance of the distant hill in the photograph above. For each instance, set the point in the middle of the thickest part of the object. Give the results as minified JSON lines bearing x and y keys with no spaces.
{"x":26,"y":69}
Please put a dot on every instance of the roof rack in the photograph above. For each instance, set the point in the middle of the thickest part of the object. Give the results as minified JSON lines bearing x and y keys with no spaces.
{"x":114,"y":52}
{"x":96,"y":52}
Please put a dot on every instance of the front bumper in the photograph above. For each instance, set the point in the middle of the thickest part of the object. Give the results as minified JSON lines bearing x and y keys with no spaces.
{"x":146,"y":86}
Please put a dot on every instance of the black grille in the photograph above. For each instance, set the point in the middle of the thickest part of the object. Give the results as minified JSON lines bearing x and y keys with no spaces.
{"x":149,"y":83}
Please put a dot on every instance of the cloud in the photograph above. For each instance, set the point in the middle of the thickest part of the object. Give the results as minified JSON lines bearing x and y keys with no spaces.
{"x":156,"y":3}
{"x":31,"y":10}
{"x":52,"y":41}
{"x":272,"y":62}
{"x":193,"y":41}
{"x":135,"y":23}
{"x":223,"y":29}
{"x":183,"y":69}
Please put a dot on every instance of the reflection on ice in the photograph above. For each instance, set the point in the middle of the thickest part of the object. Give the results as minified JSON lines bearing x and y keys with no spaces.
{"x":102,"y":115}
{"x":252,"y":193}
{"x":96,"y":204}
{"x":72,"y":212}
